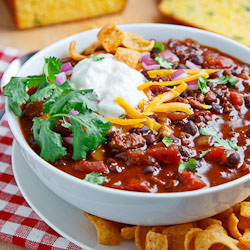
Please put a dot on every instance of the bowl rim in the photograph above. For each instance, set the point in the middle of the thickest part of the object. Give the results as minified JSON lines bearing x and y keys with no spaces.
{"x":109,"y":190}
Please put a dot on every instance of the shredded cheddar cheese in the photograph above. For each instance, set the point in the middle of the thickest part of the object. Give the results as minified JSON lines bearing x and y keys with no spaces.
{"x":133,"y":113}
{"x":125,"y":122}
{"x":204,"y":106}
{"x":171,"y":83}
{"x":173,"y":93}
{"x":167,"y":72}
{"x":174,"y":106}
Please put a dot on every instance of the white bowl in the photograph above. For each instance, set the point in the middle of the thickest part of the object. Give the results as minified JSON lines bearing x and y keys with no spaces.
{"x":127,"y":206}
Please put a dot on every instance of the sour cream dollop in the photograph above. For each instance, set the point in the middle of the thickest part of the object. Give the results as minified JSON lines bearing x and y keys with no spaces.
{"x":109,"y":78}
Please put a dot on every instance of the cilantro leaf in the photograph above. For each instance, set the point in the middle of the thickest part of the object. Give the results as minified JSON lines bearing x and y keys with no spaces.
{"x":167,"y":141}
{"x":34,"y":81}
{"x":49,"y":141}
{"x":88,"y":131}
{"x":189,"y":165}
{"x":51,"y":67}
{"x":208,"y":131}
{"x":95,"y":178}
{"x":158,"y":47}
{"x":50,"y":92}
{"x":203,"y":153}
{"x":164,"y":62}
{"x":233,"y":80}
{"x":123,"y":116}
{"x":77,"y":99}
{"x":225,"y":79}
{"x":227,"y":144}
{"x":16,"y":92}
{"x":202,"y":83}
{"x":96,"y":58}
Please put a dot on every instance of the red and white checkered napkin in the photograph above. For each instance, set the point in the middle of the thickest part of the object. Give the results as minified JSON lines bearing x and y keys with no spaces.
{"x":19,"y":224}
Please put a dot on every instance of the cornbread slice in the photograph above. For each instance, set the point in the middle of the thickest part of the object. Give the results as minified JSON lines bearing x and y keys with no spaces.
{"x":32,"y":13}
{"x":230,"y":18}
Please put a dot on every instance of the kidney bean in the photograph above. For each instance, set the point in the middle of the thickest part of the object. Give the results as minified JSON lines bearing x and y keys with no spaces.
{"x":190,"y":128}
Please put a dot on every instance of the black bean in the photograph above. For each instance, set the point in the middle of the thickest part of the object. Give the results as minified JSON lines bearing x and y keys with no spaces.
{"x":190,"y":128}
{"x":216,"y":108}
{"x":149,"y":170}
{"x":197,"y":59}
{"x":150,"y":139}
{"x":248,"y":133}
{"x":247,"y":101}
{"x":233,"y":160}
{"x":140,"y":131}
{"x":109,"y":137}
{"x":184,"y":151}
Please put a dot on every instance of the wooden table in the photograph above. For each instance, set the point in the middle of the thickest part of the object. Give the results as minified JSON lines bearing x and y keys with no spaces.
{"x":137,"y":11}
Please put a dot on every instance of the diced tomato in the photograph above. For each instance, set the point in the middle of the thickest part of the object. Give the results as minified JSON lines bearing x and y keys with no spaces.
{"x":90,"y":166}
{"x":190,"y":181}
{"x":169,"y":155}
{"x":221,"y":61}
{"x":236,"y":98}
{"x":216,"y":154}
{"x":138,"y":184}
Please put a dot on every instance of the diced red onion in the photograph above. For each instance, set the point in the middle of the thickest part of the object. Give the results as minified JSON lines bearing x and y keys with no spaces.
{"x":191,"y":65}
{"x":68,"y":139}
{"x":66,"y":67}
{"x":61,"y":78}
{"x":180,"y":73}
{"x":148,"y":63}
{"x":144,"y":54}
{"x":168,"y":55}
{"x":97,"y":100}
{"x":73,"y":112}
{"x":193,"y":85}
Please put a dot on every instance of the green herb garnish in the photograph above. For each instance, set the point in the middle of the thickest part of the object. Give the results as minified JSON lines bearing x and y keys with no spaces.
{"x":96,"y":58}
{"x":88,"y":128}
{"x":202,"y":83}
{"x":95,"y":178}
{"x":167,"y":141}
{"x":204,"y":153}
{"x":190,"y":165}
{"x":158,"y":47}
{"x":49,"y":141}
{"x":123,"y":116}
{"x":227,"y":144}
{"x":208,"y":131}
{"x":164,"y":62}
{"x":225,"y":79}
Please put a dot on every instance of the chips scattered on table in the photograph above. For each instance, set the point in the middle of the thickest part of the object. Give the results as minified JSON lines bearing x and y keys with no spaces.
{"x":227,"y":230}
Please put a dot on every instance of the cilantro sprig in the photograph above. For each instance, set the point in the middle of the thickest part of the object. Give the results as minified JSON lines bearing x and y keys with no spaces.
{"x":158,"y":47}
{"x":208,"y":131}
{"x":190,"y":165}
{"x":96,"y":58}
{"x":227,"y":144}
{"x":167,"y":141}
{"x":232,"y":80}
{"x":202,"y":83}
{"x":95,"y":178}
{"x":88,"y":128}
{"x":163,"y":62}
